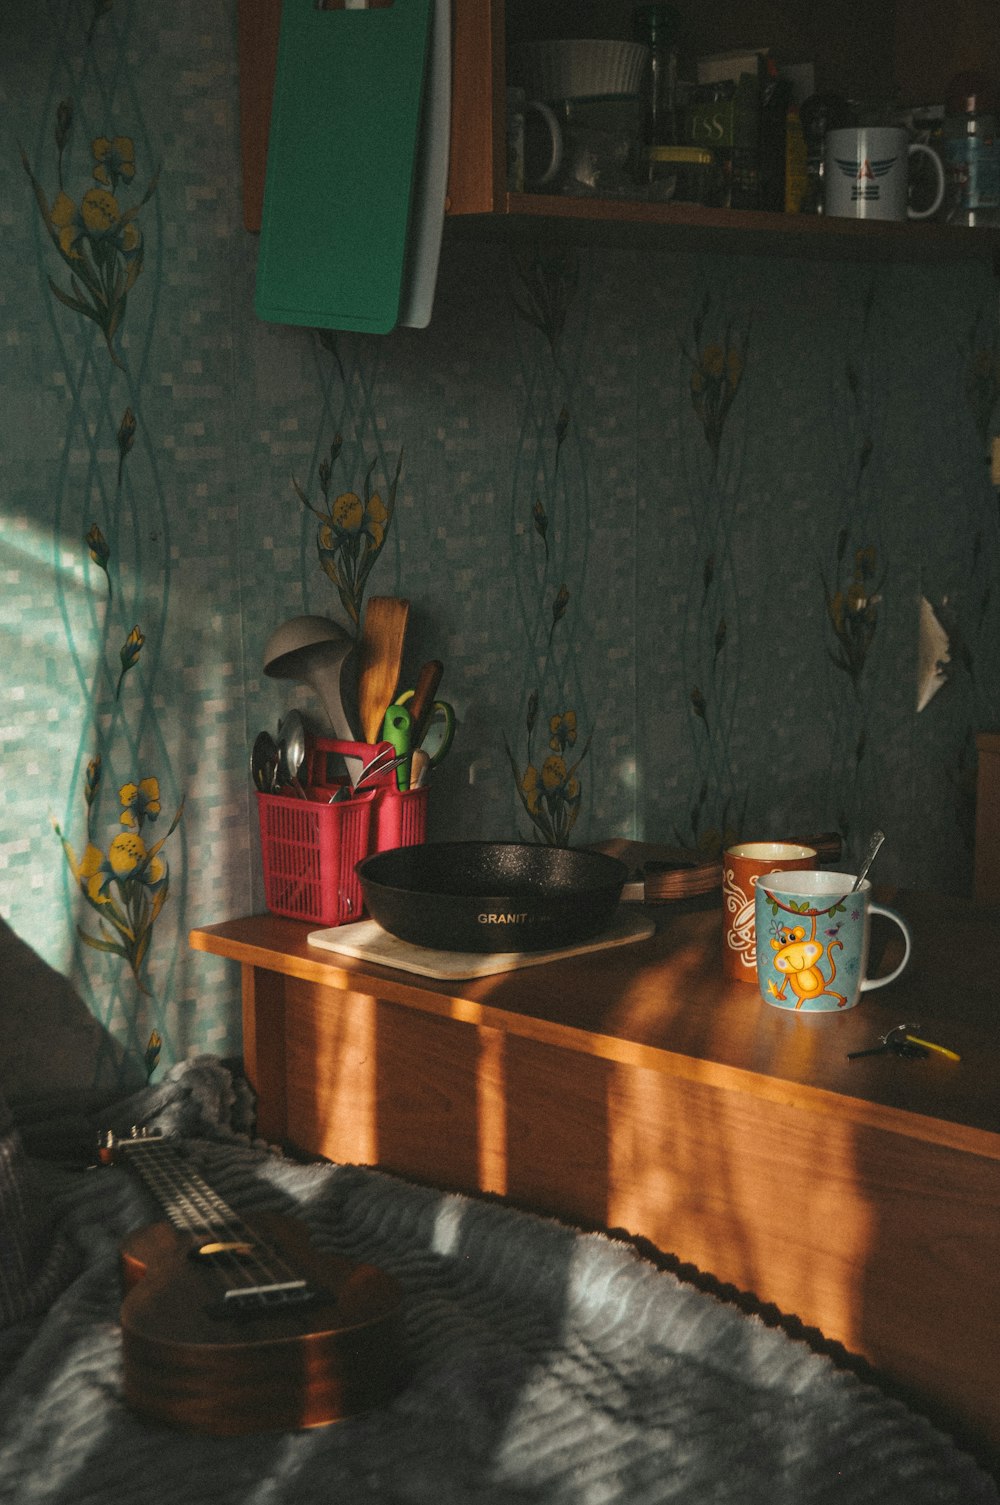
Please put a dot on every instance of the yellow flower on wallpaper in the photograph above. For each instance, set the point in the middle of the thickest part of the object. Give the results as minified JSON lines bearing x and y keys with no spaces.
{"x":129,"y":655}
{"x":713,"y":362}
{"x":553,"y":773}
{"x":562,"y":731}
{"x":113,"y":160}
{"x":852,"y":612}
{"x":127,"y":885}
{"x":100,"y":552}
{"x":551,"y":794}
{"x":352,"y":530}
{"x":348,"y":513}
{"x":98,"y":239}
{"x":717,"y":370}
{"x":530,"y":790}
{"x":68,"y":224}
{"x":140,"y":802}
{"x":152,"y":1055}
{"x":376,"y":519}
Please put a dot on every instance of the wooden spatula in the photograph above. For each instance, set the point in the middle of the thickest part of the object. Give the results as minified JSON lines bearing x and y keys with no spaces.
{"x":380,"y":658}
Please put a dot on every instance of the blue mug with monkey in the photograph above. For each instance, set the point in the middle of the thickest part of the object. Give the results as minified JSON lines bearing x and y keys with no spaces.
{"x":812,"y":940}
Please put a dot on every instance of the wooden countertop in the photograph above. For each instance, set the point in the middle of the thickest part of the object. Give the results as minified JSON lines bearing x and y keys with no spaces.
{"x":664,"y":1004}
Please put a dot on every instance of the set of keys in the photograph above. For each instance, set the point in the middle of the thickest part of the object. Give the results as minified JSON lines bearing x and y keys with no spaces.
{"x":901,"y":1041}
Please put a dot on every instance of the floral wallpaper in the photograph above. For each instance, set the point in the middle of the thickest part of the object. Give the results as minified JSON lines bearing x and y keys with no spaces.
{"x":550,"y":490}
{"x":667,"y":517}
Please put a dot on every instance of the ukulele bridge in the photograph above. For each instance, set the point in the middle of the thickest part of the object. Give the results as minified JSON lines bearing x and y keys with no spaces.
{"x":290,"y":1290}
{"x":253,"y":1301}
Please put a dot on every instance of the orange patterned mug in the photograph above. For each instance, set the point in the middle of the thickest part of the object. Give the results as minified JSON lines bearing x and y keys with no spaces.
{"x":742,"y":865}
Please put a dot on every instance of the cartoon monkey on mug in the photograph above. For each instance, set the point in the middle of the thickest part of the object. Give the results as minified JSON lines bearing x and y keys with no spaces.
{"x":798,"y":958}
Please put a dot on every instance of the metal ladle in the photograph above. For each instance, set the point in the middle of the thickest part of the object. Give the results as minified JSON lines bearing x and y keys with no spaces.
{"x":876,"y":841}
{"x":315,"y":651}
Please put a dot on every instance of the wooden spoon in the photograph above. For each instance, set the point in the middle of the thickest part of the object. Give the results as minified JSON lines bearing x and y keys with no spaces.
{"x":380,"y":658}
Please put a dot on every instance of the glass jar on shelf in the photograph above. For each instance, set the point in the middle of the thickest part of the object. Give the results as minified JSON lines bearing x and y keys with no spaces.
{"x":970,"y":147}
{"x":684,"y":174}
{"x":659,"y":28}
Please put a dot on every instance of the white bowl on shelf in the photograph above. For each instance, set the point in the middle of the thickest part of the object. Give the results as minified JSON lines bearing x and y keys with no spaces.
{"x":578,"y":69}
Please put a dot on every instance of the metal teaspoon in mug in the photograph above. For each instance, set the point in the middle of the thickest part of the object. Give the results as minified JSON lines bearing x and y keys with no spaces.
{"x":877,"y":839}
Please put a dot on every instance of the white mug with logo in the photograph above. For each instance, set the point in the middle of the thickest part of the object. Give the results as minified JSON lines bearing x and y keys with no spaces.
{"x":866,"y":173}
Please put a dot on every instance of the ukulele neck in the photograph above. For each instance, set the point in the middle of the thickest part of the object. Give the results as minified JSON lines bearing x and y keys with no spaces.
{"x":185,"y":1196}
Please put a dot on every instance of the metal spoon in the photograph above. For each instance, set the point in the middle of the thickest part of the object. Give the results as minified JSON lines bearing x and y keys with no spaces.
{"x":877,"y":839}
{"x":264,"y":763}
{"x":292,"y":751}
{"x":291,"y":745}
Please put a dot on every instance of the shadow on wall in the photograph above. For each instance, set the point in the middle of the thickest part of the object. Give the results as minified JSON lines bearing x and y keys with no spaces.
{"x":55,"y":1058}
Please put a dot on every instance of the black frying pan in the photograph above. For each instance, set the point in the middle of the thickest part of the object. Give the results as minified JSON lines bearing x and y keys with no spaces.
{"x":491,"y":895}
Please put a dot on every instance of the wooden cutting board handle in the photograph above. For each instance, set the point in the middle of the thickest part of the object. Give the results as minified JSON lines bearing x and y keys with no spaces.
{"x":380,"y":659}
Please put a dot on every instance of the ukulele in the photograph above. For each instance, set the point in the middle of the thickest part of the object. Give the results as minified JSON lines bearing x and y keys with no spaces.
{"x":232,"y":1326}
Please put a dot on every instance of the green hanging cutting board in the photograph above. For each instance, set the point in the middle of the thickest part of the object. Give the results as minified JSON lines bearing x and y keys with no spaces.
{"x":345,"y":124}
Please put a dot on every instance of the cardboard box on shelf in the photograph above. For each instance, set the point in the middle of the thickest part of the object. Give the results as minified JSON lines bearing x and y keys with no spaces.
{"x":730,"y":127}
{"x":740,"y":109}
{"x":723,"y":67}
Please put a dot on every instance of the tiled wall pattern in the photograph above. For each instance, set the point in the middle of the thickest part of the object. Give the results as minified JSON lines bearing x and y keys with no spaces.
{"x":698,"y":452}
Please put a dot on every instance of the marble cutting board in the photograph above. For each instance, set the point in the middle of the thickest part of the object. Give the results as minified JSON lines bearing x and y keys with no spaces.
{"x":365,"y":940}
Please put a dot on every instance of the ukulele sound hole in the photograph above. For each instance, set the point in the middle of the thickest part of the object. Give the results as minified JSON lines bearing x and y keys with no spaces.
{"x":242,"y":1250}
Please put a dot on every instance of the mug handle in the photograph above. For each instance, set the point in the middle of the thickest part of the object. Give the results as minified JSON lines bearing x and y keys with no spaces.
{"x":889,"y":914}
{"x":537,"y":107}
{"x":914,"y":148}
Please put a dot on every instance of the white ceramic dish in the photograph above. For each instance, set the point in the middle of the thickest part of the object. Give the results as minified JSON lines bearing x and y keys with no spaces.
{"x":554,"y":71}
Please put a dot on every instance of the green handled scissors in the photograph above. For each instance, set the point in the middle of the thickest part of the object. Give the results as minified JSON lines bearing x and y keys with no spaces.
{"x":436,"y":730}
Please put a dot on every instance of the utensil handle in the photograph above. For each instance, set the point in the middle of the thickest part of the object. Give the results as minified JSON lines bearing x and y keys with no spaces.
{"x":397,"y":728}
{"x":363,"y":752}
{"x":419,"y":768}
{"x":421,"y":701}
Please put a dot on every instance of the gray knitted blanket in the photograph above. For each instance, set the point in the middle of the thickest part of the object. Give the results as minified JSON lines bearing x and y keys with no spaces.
{"x":548,"y":1366}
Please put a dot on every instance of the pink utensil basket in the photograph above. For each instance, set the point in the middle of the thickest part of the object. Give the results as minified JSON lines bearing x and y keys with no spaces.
{"x":310,"y":848}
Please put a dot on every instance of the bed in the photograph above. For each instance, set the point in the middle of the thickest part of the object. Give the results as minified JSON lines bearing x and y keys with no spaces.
{"x":543,"y":1363}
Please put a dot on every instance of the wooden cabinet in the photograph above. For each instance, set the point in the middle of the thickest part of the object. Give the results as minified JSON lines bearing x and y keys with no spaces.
{"x":865,"y":48}
{"x":638,"y":1088}
{"x":870,"y":49}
